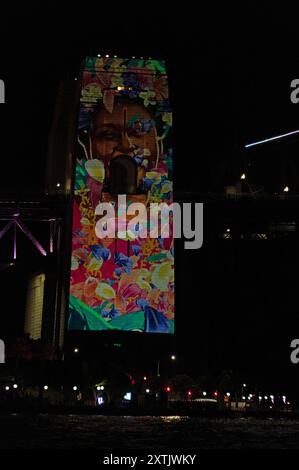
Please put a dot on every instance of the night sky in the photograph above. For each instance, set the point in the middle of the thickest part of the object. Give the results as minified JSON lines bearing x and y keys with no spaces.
{"x":230,"y":71}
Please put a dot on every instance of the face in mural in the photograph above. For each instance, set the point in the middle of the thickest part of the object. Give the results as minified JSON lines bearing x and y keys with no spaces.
{"x":129,"y":130}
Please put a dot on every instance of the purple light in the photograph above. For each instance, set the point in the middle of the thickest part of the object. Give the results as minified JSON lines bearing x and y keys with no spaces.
{"x":31,"y":237}
{"x":15,"y":242}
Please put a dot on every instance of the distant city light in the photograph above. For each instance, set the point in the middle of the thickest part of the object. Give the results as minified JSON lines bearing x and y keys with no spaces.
{"x":168,"y":389}
{"x":286,"y":189}
{"x":46,"y":387}
{"x":107,"y":56}
{"x":58,"y":185}
{"x":244,"y":385}
{"x":228,"y":394}
{"x":100,"y":400}
{"x":128,"y":396}
{"x":147,"y":390}
{"x":173,"y":357}
{"x":243,"y":398}
{"x":15,"y":386}
{"x":120,"y":88}
{"x":98,"y":388}
{"x":76,"y":350}
{"x":271,"y":138}
{"x":99,"y":55}
{"x":204,"y":394}
{"x":215,"y":394}
{"x":102,"y":387}
{"x":75,"y":388}
{"x":228,"y":229}
{"x":265,"y":397}
{"x":243,"y":176}
{"x":189,"y":393}
{"x":7,"y":388}
{"x":144,"y":378}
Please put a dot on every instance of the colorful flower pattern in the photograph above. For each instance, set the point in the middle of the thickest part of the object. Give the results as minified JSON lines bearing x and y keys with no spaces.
{"x":115,"y":283}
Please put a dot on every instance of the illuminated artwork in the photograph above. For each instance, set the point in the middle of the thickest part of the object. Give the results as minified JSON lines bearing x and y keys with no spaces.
{"x":124,"y":118}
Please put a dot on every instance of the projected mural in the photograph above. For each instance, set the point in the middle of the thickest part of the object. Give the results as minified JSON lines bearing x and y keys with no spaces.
{"x":124,"y":118}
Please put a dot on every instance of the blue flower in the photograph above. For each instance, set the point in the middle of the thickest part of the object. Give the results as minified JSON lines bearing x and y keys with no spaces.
{"x":124,"y":261}
{"x":136,"y":249}
{"x":147,"y":183}
{"x":100,"y":252}
{"x":142,"y":303}
{"x":114,"y":312}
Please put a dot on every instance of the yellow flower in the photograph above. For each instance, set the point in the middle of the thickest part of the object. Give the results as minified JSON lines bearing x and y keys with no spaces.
{"x":104,"y":291}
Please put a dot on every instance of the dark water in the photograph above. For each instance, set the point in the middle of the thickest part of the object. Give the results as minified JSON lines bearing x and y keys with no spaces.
{"x":145,"y":432}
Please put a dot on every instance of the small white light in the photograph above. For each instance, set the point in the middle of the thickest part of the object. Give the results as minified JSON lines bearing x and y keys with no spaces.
{"x":58,"y":185}
{"x":133,"y":57}
{"x":228,"y":229}
{"x":228,"y":394}
{"x":107,"y":56}
{"x":173,"y":357}
{"x":99,"y":55}
{"x":260,"y":398}
{"x":266,"y":398}
{"x":102,"y":387}
{"x":7,"y":388}
{"x":144,"y":378}
{"x":46,"y":387}
{"x":272,"y":397}
{"x":15,"y":386}
{"x":204,"y":394}
{"x":76,"y":78}
{"x":286,"y":189}
{"x":120,"y":88}
{"x":128,"y":396}
{"x":243,"y":176}
{"x":98,"y":388}
{"x":250,"y":395}
{"x":243,"y":398}
{"x":147,"y":390}
{"x":244,"y":385}
{"x":76,"y":350}
{"x":115,"y":57}
{"x":75,"y":388}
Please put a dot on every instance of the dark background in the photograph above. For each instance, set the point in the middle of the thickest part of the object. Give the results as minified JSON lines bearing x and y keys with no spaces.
{"x":230,"y":71}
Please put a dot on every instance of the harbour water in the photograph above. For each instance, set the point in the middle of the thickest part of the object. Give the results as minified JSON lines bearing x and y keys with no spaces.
{"x":157,"y":433}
